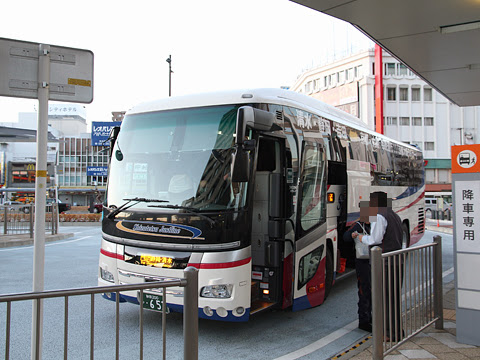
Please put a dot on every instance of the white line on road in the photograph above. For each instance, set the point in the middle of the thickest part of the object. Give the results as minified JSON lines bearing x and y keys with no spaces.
{"x":317,"y":345}
{"x":48,"y":244}
{"x":320,"y":343}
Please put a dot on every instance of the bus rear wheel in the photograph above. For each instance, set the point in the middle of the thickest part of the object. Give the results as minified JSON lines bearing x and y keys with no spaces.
{"x":328,"y":272}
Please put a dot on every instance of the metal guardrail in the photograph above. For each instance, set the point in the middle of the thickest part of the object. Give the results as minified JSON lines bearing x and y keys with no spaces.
{"x":407,"y":294}
{"x":190,"y":313}
{"x":19,"y":219}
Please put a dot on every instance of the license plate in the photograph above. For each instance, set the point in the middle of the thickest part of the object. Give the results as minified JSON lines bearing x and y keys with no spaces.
{"x":153,"y":302}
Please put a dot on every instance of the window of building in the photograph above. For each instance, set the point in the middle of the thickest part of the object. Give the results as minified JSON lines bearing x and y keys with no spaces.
{"x":405,"y":121}
{"x":427,"y":94}
{"x":428,"y":121}
{"x":341,"y":76}
{"x":325,"y":81}
{"x":308,"y":87}
{"x":391,"y":120}
{"x":349,"y":74}
{"x":417,"y":121}
{"x":403,"y":70}
{"x":403,"y":94}
{"x":391,"y":93}
{"x":389,"y":69}
{"x":358,"y":71}
{"x":429,"y":145}
{"x":415,"y":94}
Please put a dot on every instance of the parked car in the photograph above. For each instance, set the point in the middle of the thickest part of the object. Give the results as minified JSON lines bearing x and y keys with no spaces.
{"x":62,"y":207}
{"x":431,"y":204}
{"x":97,"y":208}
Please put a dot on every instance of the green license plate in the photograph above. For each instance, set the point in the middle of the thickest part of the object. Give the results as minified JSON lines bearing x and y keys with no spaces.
{"x":153,"y":302}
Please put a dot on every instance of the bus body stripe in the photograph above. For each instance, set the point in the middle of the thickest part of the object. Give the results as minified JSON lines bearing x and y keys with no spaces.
{"x":225,"y":265}
{"x":413,"y":203}
{"x":111,"y":254}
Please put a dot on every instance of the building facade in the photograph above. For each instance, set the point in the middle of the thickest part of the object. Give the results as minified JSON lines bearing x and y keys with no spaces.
{"x":414,"y":112}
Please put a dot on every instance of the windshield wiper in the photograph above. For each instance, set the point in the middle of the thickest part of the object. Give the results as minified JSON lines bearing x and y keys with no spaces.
{"x":128,"y":204}
{"x":189,"y":210}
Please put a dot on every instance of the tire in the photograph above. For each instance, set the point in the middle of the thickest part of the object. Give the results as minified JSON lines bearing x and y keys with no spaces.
{"x":405,"y":236}
{"x":328,"y":272}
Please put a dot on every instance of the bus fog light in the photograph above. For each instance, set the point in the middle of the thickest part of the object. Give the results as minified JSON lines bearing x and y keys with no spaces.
{"x":239,"y":311}
{"x":217,"y":291}
{"x":106,"y":275}
{"x":207,"y":311}
{"x":222,"y":312}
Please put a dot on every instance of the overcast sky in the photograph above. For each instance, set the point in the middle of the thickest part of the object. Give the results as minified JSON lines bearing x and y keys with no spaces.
{"x":215,"y":45}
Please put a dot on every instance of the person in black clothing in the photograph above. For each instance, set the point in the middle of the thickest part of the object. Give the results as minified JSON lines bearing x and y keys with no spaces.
{"x":362,"y":268}
{"x":387,"y":233}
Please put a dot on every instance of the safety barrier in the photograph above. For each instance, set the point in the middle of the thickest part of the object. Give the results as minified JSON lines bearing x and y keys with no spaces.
{"x":407,"y":294}
{"x":19,"y":219}
{"x":190,"y":313}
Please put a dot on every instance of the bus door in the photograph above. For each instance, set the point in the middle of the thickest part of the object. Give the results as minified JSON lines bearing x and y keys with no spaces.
{"x":268,"y":224}
{"x":313,"y":258}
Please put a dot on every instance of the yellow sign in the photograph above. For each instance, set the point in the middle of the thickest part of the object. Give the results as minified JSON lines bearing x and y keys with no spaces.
{"x":41,"y":173}
{"x":79,"y":82}
{"x":157,"y":261}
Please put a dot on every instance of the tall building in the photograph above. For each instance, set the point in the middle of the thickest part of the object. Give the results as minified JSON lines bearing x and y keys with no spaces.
{"x":414,"y":112}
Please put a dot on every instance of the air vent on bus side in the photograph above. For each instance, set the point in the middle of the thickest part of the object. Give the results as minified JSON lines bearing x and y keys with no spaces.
{"x":279,"y":115}
{"x":421,"y":220}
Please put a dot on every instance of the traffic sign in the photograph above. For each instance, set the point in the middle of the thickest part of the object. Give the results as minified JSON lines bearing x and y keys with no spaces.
{"x":71,"y":72}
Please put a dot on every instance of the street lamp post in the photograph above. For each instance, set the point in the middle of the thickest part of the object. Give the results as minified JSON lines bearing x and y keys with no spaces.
{"x":169,"y":60}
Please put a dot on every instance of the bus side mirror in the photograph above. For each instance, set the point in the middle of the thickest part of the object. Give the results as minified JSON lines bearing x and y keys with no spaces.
{"x":113,"y":138}
{"x":255,"y":119}
{"x":240,"y":165}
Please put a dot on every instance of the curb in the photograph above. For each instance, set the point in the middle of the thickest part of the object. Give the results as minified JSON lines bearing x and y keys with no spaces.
{"x":24,"y":239}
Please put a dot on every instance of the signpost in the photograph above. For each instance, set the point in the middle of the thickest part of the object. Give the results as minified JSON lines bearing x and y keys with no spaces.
{"x":466,"y":245}
{"x":43,"y":72}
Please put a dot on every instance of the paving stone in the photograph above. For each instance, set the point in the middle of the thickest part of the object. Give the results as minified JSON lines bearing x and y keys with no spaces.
{"x":426,"y":340}
{"x":437,"y":349}
{"x":450,"y":340}
{"x":408,"y":346}
{"x":452,"y":356}
{"x":395,"y":357}
{"x":418,"y":354}
{"x":472,"y":353}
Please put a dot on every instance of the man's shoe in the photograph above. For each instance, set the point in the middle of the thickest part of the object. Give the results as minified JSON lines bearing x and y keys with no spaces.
{"x":365,"y":326}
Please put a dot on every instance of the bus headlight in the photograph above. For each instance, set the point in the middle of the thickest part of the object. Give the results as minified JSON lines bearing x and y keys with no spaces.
{"x":106,"y":275}
{"x":223,"y":291}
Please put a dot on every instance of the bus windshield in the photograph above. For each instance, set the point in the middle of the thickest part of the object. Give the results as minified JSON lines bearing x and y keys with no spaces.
{"x":180,"y":156}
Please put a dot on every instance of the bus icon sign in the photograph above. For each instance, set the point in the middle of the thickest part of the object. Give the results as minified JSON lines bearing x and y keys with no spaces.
{"x":466,"y":159}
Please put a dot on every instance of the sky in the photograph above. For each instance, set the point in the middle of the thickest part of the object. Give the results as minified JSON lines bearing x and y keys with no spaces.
{"x":215,"y":45}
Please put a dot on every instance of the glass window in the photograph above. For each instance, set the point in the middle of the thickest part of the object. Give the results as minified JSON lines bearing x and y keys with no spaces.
{"x":403,"y":70}
{"x":428,"y":121}
{"x":389,"y":69}
{"x":417,"y":121}
{"x":358,"y":71}
{"x":313,"y":187}
{"x":391,"y":93}
{"x":308,"y":266}
{"x":415,"y":94}
{"x":429,"y":145}
{"x":391,"y":120}
{"x":403,"y":94}
{"x":405,"y":121}
{"x":427,"y":94}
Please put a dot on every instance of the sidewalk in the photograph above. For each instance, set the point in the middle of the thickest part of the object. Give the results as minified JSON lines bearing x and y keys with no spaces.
{"x":430,"y":343}
{"x":12,"y":240}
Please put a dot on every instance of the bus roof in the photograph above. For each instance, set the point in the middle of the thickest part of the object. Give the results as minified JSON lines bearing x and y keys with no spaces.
{"x":258,"y":96}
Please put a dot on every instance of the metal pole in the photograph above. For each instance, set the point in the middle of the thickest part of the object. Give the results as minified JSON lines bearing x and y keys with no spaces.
{"x":437,"y":282}
{"x":190,"y":315}
{"x":40,"y":195}
{"x":169,"y":60}
{"x":377,"y":302}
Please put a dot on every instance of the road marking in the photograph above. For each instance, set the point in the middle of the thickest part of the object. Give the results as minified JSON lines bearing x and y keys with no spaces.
{"x":317,"y":345}
{"x":320,"y":343}
{"x":47,"y":244}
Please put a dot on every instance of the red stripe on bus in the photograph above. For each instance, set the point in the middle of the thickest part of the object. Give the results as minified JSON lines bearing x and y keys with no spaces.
{"x":413,"y":203}
{"x":225,"y":265}
{"x":111,"y":254}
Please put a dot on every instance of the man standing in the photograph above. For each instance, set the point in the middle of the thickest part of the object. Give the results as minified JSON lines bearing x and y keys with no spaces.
{"x":387,"y":233}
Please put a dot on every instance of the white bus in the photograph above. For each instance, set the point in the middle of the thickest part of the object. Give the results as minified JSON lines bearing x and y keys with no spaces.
{"x":253,"y":188}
